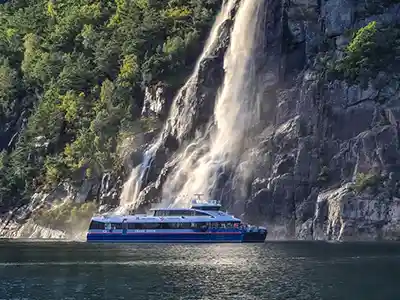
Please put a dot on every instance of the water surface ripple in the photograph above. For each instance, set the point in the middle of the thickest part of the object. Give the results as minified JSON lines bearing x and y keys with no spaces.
{"x":272,"y":271}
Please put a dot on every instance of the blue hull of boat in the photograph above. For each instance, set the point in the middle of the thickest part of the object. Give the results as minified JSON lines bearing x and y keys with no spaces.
{"x":165,"y":238}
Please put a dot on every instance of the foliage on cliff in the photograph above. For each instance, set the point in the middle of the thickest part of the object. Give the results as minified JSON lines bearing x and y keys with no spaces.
{"x":72,"y":74}
{"x":372,"y":49}
{"x":369,"y":180}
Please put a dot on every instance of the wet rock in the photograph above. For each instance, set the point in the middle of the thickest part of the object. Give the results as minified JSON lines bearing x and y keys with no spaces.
{"x":285,"y":165}
{"x":148,"y":196}
{"x":305,"y":230}
{"x":192,"y":109}
{"x":171,"y":143}
{"x":342,"y":41}
{"x":297,"y":31}
{"x":343,"y":215}
{"x":108,"y":190}
{"x":306,"y":208}
{"x":157,"y":100}
{"x":338,"y":16}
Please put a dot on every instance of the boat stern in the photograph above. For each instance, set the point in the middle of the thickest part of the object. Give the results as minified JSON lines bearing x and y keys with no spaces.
{"x":255,"y":235}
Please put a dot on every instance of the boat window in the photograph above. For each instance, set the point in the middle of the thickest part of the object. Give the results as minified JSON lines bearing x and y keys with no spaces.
{"x":160,"y":213}
{"x":148,"y":226}
{"x":208,"y":208}
{"x":199,"y":213}
{"x":174,"y":213}
{"x":173,"y":225}
{"x":144,"y":225}
{"x":186,"y":225}
{"x":176,"y":225}
{"x":165,"y":226}
{"x":181,"y":225}
{"x":132,"y":226}
{"x":198,"y":225}
{"x":116,"y":225}
{"x":96,"y":225}
{"x":180,"y":213}
{"x":151,"y":225}
{"x":228,"y":224}
{"x":214,"y":224}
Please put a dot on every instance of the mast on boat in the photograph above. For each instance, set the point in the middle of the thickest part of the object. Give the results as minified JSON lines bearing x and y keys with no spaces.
{"x":198,"y":195}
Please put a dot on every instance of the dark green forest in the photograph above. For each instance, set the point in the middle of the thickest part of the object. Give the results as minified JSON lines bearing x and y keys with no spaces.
{"x":72,"y":78}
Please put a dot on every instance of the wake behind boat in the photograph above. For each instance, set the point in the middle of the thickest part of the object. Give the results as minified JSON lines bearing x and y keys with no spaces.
{"x":204,"y":222}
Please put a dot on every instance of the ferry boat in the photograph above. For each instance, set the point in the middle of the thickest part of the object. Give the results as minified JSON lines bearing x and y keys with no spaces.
{"x":204,"y":222}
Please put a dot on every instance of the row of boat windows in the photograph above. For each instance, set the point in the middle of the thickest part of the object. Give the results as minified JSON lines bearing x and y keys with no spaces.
{"x":178,"y":213}
{"x":209,"y":208}
{"x":197,"y":225}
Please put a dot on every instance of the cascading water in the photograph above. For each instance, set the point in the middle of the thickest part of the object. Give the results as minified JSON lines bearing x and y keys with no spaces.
{"x":133,"y":185}
{"x":236,"y":113}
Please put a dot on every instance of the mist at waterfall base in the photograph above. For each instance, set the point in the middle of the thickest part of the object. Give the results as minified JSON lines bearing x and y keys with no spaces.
{"x":212,"y":164}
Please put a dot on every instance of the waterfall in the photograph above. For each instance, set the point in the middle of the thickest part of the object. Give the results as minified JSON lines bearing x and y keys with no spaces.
{"x":132,"y":186}
{"x":236,"y":112}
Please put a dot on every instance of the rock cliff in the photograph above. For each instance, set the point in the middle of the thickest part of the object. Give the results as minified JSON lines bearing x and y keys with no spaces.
{"x":326,"y":165}
{"x":323,"y":161}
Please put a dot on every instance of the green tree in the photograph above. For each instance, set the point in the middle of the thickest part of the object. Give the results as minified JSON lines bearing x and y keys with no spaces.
{"x":72,"y":74}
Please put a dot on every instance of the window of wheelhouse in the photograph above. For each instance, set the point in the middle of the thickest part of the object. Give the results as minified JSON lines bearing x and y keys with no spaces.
{"x":96,"y":225}
{"x":178,"y":213}
{"x":208,"y":208}
{"x":199,"y":213}
{"x":159,"y":213}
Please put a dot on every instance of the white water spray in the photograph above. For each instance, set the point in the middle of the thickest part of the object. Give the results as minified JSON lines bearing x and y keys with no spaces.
{"x":131,"y":189}
{"x":236,"y":112}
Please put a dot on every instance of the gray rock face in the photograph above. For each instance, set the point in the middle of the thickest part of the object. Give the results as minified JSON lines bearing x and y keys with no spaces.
{"x":318,"y":136}
{"x":19,"y":223}
{"x":325,"y":134}
{"x":156,"y":101}
{"x":338,"y":16}
{"x":189,"y":112}
{"x":29,"y":230}
{"x":315,"y":138}
{"x":342,"y":215}
{"x":191,"y":109}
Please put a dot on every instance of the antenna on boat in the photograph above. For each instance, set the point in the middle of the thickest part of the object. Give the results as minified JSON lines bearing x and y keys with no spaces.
{"x":198,"y":196}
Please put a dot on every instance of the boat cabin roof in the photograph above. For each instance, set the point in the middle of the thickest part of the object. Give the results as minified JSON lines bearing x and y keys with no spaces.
{"x":197,"y":216}
{"x":199,"y":212}
{"x":193,"y":208}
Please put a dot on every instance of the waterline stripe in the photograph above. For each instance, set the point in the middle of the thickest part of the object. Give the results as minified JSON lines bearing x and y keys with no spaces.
{"x":182,"y":233}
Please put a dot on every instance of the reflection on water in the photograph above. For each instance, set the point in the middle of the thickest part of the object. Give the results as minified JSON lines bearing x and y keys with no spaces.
{"x":285,"y":270}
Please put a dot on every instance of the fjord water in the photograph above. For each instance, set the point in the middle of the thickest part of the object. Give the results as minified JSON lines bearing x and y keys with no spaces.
{"x":270,"y":271}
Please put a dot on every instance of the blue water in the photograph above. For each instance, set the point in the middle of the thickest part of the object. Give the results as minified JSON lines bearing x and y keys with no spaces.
{"x":279,"y":270}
